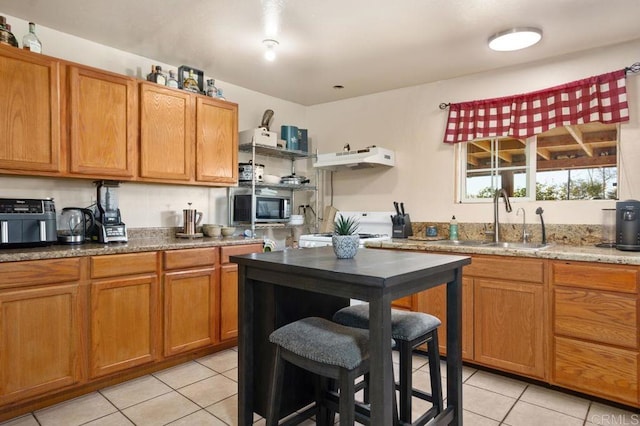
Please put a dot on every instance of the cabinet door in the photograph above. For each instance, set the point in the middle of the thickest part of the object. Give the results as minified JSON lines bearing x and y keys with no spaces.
{"x":434,"y":302}
{"x":189,"y":310}
{"x":39,"y":340}
{"x":216,"y":141}
{"x":103,"y":125}
{"x":509,"y":326}
{"x":228,"y":301}
{"x":29,"y":112}
{"x":124,"y":325}
{"x":167,"y":120}
{"x":229,"y":289}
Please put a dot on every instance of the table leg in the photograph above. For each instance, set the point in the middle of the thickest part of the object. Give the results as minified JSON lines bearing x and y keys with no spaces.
{"x":245,"y":349}
{"x":454,"y":347}
{"x":381,"y":372}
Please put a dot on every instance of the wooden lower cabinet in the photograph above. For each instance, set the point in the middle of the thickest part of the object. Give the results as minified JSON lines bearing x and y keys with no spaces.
{"x":595,"y":329}
{"x":503,"y":314}
{"x":125,"y":325}
{"x":434,"y":302}
{"x":509,"y":325}
{"x":41,"y":318}
{"x":190,"y":300}
{"x":600,"y":370}
{"x":229,"y":289}
{"x":40,"y":339}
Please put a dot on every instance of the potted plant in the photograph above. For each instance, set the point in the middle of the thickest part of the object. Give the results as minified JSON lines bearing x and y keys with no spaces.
{"x":345,"y":239}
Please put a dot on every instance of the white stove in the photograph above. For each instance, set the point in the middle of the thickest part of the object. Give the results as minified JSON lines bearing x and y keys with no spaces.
{"x":374,"y":226}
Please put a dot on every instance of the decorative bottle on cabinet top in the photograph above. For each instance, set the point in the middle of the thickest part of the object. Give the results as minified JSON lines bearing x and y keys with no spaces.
{"x":212,"y":90}
{"x":171,"y":80}
{"x":6,"y":36}
{"x":191,"y":84}
{"x":30,"y":41}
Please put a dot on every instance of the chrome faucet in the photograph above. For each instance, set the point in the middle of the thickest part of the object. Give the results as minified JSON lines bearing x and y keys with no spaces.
{"x":525,"y":234}
{"x":496,"y":223}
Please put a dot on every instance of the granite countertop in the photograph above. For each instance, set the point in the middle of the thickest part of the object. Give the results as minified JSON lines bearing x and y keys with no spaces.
{"x":554,"y":251}
{"x":132,"y":246}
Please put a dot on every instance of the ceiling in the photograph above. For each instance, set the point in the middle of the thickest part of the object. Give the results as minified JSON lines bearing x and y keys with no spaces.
{"x":367,"y":46}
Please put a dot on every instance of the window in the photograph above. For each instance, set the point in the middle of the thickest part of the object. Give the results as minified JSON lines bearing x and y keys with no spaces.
{"x":565,"y":163}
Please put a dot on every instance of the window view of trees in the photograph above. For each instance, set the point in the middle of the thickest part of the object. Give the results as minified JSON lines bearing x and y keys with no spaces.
{"x":571,"y":163}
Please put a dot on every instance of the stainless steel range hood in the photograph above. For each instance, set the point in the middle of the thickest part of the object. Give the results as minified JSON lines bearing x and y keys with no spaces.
{"x":360,"y":159}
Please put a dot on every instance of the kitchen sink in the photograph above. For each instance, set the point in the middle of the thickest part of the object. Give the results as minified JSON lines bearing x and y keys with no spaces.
{"x":480,"y":243}
{"x":518,"y":246}
{"x":471,"y":243}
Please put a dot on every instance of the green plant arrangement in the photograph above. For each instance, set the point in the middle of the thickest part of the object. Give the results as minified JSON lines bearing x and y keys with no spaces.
{"x":344,"y":239}
{"x":345,"y":226}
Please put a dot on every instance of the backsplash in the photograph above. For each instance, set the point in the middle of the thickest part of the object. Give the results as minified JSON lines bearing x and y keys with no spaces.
{"x":575,"y":235}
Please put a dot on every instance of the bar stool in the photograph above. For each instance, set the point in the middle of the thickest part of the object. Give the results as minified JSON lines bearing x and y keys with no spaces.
{"x":409,"y":330}
{"x":329,"y":350}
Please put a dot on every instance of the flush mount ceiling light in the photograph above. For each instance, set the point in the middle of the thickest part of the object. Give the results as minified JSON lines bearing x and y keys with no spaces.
{"x":515,"y":39}
{"x":270,"y":53}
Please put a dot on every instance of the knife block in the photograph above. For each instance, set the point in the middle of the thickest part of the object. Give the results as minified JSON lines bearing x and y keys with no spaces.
{"x":402,"y":229}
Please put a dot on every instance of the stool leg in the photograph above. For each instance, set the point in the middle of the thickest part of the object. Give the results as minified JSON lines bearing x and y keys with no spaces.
{"x":406,"y":385}
{"x":434,"y":371}
{"x":273,"y":410}
{"x":366,"y":389}
{"x":347,"y":398}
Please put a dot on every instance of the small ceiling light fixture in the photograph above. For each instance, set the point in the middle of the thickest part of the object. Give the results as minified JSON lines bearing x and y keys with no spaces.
{"x":270,"y":53}
{"x":515,"y":39}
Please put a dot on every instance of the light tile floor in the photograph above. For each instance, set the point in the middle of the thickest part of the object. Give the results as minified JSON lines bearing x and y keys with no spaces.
{"x":204,"y":392}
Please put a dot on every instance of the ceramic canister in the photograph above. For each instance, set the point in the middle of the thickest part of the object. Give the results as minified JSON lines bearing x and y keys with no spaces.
{"x":290,"y":135}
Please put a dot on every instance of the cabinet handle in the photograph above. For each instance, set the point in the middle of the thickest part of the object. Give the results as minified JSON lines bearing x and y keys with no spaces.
{"x":4,"y":231}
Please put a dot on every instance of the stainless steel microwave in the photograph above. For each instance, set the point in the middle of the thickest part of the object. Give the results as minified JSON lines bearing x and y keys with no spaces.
{"x":268,"y":208}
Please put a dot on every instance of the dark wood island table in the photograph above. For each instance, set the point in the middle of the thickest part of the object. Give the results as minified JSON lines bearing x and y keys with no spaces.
{"x":277,"y":288}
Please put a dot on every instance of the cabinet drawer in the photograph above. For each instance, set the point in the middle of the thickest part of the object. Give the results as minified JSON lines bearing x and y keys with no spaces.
{"x":601,"y":317}
{"x":123,"y":264}
{"x":227,"y":251}
{"x":511,"y":268}
{"x":598,"y":370}
{"x":33,"y":272}
{"x":188,"y":258}
{"x":605,"y":277}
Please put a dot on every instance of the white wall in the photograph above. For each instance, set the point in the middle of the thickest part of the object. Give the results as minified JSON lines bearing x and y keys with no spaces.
{"x":409,"y":121}
{"x":144,"y":205}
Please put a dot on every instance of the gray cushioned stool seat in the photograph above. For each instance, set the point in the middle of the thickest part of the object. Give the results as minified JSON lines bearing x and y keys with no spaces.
{"x":324,"y":341}
{"x":332,"y":352}
{"x":409,"y":330}
{"x":404,"y":325}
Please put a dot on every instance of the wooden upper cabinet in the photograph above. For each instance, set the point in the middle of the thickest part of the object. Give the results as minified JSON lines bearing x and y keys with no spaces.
{"x":216,"y":141}
{"x":103,"y":125}
{"x":167,"y":120}
{"x":29,"y":113}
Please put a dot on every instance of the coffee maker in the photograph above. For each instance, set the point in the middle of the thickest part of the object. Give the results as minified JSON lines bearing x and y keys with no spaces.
{"x":108,"y":222}
{"x":628,"y":225}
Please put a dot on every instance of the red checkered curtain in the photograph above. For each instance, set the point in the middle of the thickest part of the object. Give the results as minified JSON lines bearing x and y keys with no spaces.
{"x":601,"y":98}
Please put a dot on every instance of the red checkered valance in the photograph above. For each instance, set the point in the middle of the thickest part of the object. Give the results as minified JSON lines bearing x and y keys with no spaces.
{"x":601,"y":98}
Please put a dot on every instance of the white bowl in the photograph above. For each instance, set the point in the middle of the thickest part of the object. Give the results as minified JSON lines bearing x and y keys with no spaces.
{"x":228,"y":231}
{"x":271,"y":179}
{"x":211,"y":230}
{"x":296,"y":219}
